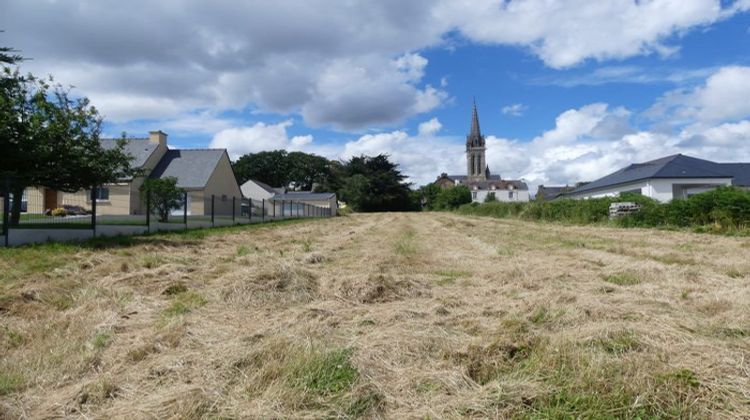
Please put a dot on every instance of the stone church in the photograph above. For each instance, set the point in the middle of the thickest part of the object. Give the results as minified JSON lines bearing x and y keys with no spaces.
{"x":478,"y":178}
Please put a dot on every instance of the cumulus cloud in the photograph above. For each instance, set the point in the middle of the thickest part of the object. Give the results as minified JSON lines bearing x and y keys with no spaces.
{"x":351,"y":65}
{"x":723,"y":97}
{"x":429,"y":128}
{"x":258,"y":137}
{"x":565,"y":33}
{"x":515,"y":110}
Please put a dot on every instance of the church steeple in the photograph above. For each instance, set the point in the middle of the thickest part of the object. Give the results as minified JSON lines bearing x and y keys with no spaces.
{"x":476,"y":163}
{"x":475,"y":133}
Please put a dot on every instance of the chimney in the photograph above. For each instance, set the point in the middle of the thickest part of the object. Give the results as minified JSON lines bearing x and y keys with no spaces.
{"x":158,"y":137}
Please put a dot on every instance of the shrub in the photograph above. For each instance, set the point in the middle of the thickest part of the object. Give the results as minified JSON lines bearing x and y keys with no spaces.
{"x":724,"y":209}
{"x":452,"y":198}
{"x":59,"y":212}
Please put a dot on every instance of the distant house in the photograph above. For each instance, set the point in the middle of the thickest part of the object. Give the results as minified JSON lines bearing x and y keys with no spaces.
{"x":545,"y":193}
{"x":280,"y":196}
{"x":478,"y":178}
{"x":668,"y":178}
{"x":201,"y":172}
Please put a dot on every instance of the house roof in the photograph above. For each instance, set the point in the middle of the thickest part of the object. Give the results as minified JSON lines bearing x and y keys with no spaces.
{"x":550,"y":193}
{"x":266,"y":187}
{"x":191,"y":167}
{"x":740,"y":171}
{"x":675,"y":166}
{"x":464,"y":178}
{"x":498,"y":184}
{"x":139,"y":149}
{"x":304,"y":196}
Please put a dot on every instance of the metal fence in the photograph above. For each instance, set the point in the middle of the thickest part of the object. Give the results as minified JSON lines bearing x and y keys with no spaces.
{"x":44,"y":214}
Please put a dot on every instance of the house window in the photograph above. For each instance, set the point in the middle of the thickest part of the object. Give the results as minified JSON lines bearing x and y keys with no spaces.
{"x":491,"y":195}
{"x":510,"y":195}
{"x":102,"y":194}
{"x":474,"y":195}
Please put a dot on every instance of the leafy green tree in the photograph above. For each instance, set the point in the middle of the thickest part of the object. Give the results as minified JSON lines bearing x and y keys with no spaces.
{"x":426,"y":196}
{"x":270,"y":167}
{"x":373,"y":183}
{"x":452,"y":198}
{"x":49,"y":139}
{"x":307,"y":170}
{"x":163,"y":196}
{"x":490,"y":198}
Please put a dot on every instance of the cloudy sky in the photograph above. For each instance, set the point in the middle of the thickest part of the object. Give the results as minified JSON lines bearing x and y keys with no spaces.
{"x":567,"y":90}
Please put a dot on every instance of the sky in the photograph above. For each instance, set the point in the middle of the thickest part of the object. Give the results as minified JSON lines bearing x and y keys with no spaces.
{"x":567,"y":90}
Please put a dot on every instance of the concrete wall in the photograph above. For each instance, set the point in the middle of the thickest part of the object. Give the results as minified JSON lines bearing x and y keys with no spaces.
{"x":519,"y":196}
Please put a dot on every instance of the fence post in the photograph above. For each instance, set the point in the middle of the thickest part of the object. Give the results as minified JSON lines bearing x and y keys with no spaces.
{"x":263,"y":210}
{"x":273,"y":206}
{"x":234,"y":204}
{"x":93,"y":209}
{"x":250,"y":210}
{"x":213,"y":201}
{"x":184,"y":208}
{"x":148,"y":210}
{"x":6,"y":209}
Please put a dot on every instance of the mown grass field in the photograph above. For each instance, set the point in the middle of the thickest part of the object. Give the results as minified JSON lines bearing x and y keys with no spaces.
{"x":421,"y":315}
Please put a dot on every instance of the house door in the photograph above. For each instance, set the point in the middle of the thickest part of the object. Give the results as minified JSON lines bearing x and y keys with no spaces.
{"x":50,"y":199}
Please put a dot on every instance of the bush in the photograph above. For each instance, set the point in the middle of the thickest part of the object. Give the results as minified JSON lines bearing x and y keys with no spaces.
{"x":724,"y":209}
{"x":59,"y":212}
{"x":451,"y":198}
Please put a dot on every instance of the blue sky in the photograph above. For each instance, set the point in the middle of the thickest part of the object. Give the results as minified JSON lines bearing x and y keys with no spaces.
{"x":567,"y":90}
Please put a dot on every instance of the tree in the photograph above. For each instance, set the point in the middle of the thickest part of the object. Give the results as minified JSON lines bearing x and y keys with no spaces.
{"x":162,"y":195}
{"x":490,"y":198}
{"x":375,"y":184}
{"x":427,"y":195}
{"x":279,"y":168}
{"x":453,"y":197}
{"x":50,"y":140}
{"x":268,"y":167}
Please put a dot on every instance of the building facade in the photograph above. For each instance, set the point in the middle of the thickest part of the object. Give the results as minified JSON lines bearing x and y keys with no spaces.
{"x":483,"y":184}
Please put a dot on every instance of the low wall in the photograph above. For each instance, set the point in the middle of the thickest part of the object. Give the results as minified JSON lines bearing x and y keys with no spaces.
{"x":38,"y":236}
{"x":116,"y":230}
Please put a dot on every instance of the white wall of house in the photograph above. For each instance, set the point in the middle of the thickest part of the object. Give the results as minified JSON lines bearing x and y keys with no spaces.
{"x":660,"y":189}
{"x":250,"y":189}
{"x":509,"y":196}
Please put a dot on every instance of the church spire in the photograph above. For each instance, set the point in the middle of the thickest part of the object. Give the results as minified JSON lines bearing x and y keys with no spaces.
{"x":475,"y":133}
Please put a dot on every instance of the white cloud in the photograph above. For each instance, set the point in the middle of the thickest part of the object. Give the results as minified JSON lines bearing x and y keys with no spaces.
{"x":723,"y":97}
{"x":351,"y":65}
{"x":256,"y":138}
{"x":565,"y":33}
{"x":429,"y":128}
{"x":515,"y":110}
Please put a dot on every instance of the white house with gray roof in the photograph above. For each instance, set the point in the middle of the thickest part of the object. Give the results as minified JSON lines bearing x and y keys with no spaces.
{"x":283,"y":198}
{"x":665,"y":179}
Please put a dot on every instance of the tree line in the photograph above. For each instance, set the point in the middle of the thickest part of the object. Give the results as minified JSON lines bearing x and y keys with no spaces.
{"x":364,"y":183}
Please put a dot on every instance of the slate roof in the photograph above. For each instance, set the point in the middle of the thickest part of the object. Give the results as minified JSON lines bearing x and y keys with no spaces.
{"x":675,"y":166}
{"x":191,"y":167}
{"x":550,"y":193}
{"x":140,"y":149}
{"x":303,"y":195}
{"x":463,"y":178}
{"x":740,"y":171}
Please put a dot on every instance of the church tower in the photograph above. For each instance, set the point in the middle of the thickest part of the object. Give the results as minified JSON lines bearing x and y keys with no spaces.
{"x":476,"y":164}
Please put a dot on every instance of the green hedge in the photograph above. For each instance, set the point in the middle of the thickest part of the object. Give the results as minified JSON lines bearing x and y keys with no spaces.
{"x":724,"y":209}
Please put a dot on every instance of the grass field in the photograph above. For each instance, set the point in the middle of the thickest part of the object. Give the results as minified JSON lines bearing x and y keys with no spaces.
{"x":430,"y":315}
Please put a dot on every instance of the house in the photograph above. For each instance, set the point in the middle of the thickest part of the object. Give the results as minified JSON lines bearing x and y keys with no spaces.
{"x":258,"y":191}
{"x":545,"y":193}
{"x":478,"y":179}
{"x":201,"y":172}
{"x":668,"y":178}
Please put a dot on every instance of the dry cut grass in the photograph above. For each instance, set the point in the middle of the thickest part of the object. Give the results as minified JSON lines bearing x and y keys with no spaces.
{"x":379,"y":316}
